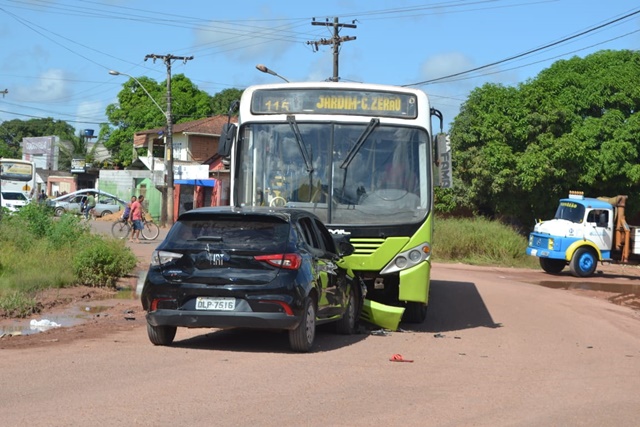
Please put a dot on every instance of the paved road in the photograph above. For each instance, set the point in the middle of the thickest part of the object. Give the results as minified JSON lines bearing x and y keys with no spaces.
{"x":495,"y":351}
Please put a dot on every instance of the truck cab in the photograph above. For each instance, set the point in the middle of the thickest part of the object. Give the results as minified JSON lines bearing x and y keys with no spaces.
{"x":581,"y":233}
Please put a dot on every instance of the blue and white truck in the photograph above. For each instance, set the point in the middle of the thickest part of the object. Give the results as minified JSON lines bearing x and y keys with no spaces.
{"x":583,"y":232}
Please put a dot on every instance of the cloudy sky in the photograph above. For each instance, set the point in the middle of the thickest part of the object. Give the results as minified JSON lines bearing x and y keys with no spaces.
{"x":55,"y":55}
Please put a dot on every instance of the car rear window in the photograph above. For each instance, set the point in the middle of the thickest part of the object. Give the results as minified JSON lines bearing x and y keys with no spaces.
{"x":230,"y":234}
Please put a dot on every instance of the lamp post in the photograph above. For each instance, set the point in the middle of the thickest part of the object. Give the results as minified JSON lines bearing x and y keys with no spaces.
{"x":167,"y":208}
{"x":264,"y":69}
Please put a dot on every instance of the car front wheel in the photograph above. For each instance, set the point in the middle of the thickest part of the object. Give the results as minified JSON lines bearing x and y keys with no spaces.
{"x":59,"y":211}
{"x":161,"y":335}
{"x":105,"y":213}
{"x":347,"y":323}
{"x":301,"y":338}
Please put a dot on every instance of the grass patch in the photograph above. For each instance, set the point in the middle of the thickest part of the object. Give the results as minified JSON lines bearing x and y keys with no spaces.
{"x":478,"y":241}
{"x":39,"y":252}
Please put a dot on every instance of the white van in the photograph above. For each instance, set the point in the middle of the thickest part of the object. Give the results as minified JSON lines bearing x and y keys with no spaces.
{"x":13,"y":200}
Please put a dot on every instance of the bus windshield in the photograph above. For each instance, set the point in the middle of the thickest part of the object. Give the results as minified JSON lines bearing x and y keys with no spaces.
{"x":346,"y":173}
{"x":17,"y":175}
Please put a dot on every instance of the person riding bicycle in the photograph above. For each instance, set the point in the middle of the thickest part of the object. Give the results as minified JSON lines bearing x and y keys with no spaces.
{"x":89,"y":205}
{"x":136,"y":216}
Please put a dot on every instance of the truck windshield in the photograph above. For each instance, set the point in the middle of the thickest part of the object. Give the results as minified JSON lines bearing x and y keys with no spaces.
{"x":570,"y":211}
{"x":347,"y":173}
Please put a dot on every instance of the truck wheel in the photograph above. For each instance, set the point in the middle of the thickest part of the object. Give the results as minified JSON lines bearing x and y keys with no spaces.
{"x":552,"y":266}
{"x":583,"y":263}
{"x":415,"y":312}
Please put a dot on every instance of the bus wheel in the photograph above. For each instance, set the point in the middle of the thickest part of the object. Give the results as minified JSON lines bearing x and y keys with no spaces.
{"x":552,"y":266}
{"x":583,"y":263}
{"x":415,"y":312}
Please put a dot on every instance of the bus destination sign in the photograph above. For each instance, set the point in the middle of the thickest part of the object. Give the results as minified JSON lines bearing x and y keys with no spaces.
{"x":334,"y":101}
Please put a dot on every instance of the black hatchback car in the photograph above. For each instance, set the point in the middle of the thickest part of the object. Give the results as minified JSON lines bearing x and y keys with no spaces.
{"x":269,"y":268}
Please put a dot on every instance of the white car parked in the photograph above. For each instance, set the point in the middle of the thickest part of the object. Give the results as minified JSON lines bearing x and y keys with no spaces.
{"x":106,"y":203}
{"x":13,"y":200}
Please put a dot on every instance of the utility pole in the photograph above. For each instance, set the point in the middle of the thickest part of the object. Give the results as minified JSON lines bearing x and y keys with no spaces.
{"x":336,"y":40}
{"x":3,"y":92}
{"x":167,"y":206}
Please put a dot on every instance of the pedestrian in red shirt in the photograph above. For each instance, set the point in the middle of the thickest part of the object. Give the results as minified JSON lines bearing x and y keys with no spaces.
{"x":136,"y":218}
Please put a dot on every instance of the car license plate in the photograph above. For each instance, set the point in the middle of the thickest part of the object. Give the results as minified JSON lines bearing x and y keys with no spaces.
{"x":209,"y":303}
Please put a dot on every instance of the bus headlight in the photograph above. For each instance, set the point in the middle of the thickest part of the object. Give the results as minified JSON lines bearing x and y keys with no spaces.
{"x":408,"y":259}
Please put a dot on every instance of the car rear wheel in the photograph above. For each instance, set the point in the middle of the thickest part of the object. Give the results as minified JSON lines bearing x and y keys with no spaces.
{"x":552,"y":266}
{"x":161,"y":335}
{"x":347,"y":324}
{"x":301,"y":338}
{"x":105,"y":213}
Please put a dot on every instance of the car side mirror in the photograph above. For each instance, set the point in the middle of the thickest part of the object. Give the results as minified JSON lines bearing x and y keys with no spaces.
{"x":345,"y":248}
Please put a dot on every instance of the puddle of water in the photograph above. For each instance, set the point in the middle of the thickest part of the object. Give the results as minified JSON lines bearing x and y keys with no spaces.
{"x":72,"y":317}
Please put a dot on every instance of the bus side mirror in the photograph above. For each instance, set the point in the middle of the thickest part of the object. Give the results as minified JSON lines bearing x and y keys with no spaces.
{"x":227,"y":136}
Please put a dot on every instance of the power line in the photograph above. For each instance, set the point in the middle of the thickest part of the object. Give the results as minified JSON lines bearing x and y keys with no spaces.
{"x":529,"y":52}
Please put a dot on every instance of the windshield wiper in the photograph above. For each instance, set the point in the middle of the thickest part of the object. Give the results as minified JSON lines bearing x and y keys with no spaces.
{"x":303,"y":149}
{"x":361,"y":140}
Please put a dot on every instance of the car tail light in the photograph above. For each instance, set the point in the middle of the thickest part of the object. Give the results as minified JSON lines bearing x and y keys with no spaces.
{"x":163,"y":257}
{"x":288,"y":261}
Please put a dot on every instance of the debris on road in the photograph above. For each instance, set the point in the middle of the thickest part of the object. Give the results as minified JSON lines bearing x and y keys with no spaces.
{"x":399,"y":358}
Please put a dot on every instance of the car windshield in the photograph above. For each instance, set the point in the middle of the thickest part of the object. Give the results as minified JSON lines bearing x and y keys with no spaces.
{"x":346,"y":173}
{"x":229,"y":234}
{"x":570,"y":211}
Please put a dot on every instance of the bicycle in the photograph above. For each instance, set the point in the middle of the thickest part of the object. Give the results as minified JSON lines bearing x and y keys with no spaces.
{"x":150,"y":229}
{"x":122,"y":227}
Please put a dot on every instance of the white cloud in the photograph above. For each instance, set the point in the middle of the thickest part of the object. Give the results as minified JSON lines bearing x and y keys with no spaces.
{"x":247,"y":41}
{"x":49,"y":86}
{"x":445,"y":64}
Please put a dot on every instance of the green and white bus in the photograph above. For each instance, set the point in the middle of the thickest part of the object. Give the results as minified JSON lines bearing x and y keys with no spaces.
{"x":360,"y":156}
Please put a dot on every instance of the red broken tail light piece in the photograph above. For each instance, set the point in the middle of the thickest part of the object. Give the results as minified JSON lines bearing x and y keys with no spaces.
{"x":399,"y":358}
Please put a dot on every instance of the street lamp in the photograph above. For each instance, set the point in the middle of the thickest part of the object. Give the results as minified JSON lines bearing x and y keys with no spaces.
{"x":264,"y":69}
{"x":168,"y":158}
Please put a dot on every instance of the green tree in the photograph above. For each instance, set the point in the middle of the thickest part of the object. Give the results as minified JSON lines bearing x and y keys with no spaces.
{"x":221,"y":101}
{"x":76,"y":148}
{"x":13,"y":131}
{"x":573,"y":127}
{"x":135,"y":112}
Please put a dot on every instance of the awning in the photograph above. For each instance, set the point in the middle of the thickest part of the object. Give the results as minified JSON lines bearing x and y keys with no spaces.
{"x":196,"y":182}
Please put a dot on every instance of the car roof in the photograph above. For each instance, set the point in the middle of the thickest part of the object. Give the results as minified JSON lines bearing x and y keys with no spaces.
{"x":85,"y":191}
{"x":285,"y":214}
